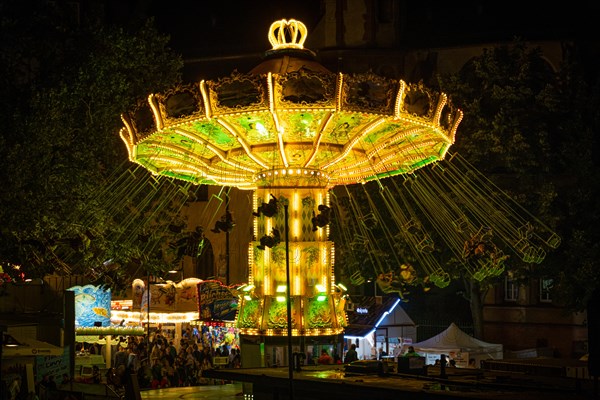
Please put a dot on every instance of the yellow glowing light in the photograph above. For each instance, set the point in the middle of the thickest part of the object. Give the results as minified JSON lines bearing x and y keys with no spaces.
{"x":266,"y":284}
{"x":297,"y":285}
{"x":279,"y":151}
{"x":281,"y":288}
{"x":287,"y":34}
{"x":261,"y":129}
{"x":281,"y":144}
{"x":242,"y":142}
{"x":167,"y":317}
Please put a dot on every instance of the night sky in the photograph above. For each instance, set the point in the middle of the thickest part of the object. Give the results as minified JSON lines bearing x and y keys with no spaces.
{"x":200,"y":28}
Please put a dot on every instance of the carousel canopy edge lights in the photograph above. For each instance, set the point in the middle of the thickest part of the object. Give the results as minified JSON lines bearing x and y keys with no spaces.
{"x":298,"y":126}
{"x":332,"y":131}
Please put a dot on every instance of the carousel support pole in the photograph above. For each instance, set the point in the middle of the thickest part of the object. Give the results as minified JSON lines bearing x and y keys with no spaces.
{"x":228,"y":216}
{"x":148,"y":311}
{"x":108,"y":351}
{"x":3,"y":328}
{"x":178,"y":335}
{"x":289,"y":305}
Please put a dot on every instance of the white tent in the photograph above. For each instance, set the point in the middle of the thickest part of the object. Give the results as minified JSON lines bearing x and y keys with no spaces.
{"x":458,"y":346}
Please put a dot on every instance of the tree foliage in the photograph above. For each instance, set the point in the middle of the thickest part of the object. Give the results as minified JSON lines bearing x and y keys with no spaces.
{"x":64,"y":87}
{"x":575,"y":268}
{"x":530,"y":129}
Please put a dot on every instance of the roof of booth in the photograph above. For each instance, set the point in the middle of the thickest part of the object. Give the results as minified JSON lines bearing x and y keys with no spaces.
{"x":366,"y":311}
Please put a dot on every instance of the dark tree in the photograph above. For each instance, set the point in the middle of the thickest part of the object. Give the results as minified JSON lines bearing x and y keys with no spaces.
{"x":64,"y":84}
{"x":530,"y":130}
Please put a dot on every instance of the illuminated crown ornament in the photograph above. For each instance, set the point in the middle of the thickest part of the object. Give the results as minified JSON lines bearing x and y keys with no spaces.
{"x":284,"y":34}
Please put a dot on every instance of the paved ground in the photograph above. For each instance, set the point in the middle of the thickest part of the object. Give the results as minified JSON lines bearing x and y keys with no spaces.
{"x":212,"y":392}
{"x":313,"y":382}
{"x":333,"y":383}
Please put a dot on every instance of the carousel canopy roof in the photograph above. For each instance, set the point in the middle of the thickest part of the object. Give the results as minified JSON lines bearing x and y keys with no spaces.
{"x":290,"y":122}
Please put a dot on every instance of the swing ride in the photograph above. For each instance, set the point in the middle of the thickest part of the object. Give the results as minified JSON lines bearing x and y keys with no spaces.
{"x":290,"y":131}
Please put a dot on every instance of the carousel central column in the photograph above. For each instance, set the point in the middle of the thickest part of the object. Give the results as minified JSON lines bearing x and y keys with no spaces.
{"x":316,"y":306}
{"x":310,"y":255}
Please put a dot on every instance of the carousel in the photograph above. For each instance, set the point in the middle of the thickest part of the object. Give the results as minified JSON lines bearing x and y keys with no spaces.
{"x":290,"y":131}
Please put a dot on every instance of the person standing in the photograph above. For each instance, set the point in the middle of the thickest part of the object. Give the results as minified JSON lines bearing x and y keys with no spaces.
{"x":351,"y":354}
{"x":325,"y":358}
{"x":373,"y":353}
{"x":121,"y":357}
{"x":51,"y":384}
{"x":411,"y":352}
{"x":237,"y":359}
{"x":96,"y":377}
{"x":133,"y":361}
{"x":224,"y":351}
{"x":172,"y":352}
{"x":14,"y":388}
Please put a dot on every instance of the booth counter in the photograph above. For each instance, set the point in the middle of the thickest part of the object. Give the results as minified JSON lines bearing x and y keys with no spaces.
{"x":89,"y":360}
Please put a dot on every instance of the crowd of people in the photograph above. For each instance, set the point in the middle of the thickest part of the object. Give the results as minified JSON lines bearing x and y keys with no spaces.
{"x":351,"y":354}
{"x":158,"y":363}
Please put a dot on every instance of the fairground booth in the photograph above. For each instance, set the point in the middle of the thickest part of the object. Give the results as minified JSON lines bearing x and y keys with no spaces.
{"x":89,"y":310}
{"x":25,"y":360}
{"x":457,"y":345}
{"x":378,"y":322}
{"x":164,"y":307}
{"x":95,"y":323}
{"x":176,"y":310}
{"x":217,"y":309}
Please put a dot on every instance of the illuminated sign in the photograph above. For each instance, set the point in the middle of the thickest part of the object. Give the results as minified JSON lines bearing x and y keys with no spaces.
{"x":216,"y":302}
{"x":92,"y":305}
